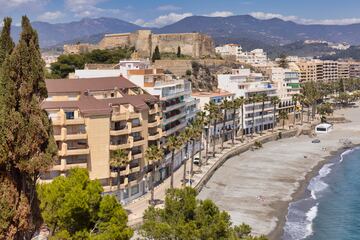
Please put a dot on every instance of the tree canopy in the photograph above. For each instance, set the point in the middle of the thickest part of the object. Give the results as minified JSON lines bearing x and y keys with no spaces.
{"x":184,"y":217}
{"x":73,"y":206}
{"x":67,"y":63}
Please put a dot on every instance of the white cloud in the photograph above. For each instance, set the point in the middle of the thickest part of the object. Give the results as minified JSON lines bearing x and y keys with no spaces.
{"x":220,"y":14}
{"x":164,"y":20}
{"x":50,"y":16}
{"x":168,"y":8}
{"x":265,"y":16}
{"x":307,"y":21}
{"x":88,"y":8}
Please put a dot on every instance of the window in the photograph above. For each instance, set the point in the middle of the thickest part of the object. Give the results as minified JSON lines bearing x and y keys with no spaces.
{"x":135,"y":122}
{"x":70,"y":115}
{"x":134,"y":190}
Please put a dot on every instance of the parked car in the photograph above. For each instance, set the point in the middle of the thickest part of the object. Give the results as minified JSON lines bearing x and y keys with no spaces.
{"x":197,"y":160}
{"x":315,"y":141}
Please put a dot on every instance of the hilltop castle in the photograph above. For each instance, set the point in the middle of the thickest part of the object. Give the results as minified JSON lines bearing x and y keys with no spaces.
{"x":193,"y":44}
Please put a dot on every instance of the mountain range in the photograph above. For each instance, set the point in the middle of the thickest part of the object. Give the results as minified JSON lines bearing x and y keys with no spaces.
{"x":243,"y":29}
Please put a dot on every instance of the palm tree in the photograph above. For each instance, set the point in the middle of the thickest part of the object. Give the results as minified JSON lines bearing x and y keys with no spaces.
{"x":184,"y":138}
{"x":173,"y":144}
{"x":118,"y":159}
{"x":242,"y":102}
{"x":263,"y":98}
{"x":283,"y":115}
{"x":214,"y":116}
{"x":255,"y":99}
{"x":235,"y":105}
{"x":295,"y":99}
{"x":153,"y":155}
{"x":274,"y":101}
{"x":201,"y":122}
{"x":193,"y":133}
{"x":225,"y":106}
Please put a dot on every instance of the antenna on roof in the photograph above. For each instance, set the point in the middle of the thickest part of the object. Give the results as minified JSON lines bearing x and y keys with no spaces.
{"x":87,"y":92}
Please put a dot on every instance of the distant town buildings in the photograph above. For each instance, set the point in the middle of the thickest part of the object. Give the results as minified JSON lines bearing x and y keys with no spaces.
{"x":254,"y":57}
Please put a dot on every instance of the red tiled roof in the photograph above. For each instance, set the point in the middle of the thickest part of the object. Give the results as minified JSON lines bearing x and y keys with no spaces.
{"x":84,"y":84}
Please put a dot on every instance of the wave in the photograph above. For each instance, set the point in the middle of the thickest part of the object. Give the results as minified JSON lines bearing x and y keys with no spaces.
{"x":310,"y":216}
{"x":299,"y":224}
{"x":316,"y":185}
{"x":301,"y":215}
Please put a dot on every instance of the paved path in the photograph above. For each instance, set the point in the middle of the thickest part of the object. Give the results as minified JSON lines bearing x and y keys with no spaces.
{"x":137,"y":207}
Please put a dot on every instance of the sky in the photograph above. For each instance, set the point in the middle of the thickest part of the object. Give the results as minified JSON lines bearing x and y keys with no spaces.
{"x":157,"y":13}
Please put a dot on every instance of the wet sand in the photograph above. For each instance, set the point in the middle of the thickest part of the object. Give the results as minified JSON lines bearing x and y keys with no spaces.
{"x":256,"y":187}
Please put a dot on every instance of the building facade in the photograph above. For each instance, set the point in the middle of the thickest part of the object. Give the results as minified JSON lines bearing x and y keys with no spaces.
{"x":244,"y":83}
{"x":93,"y":118}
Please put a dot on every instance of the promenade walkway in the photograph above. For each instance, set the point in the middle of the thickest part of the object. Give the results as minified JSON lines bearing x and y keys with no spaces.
{"x":136,"y":208}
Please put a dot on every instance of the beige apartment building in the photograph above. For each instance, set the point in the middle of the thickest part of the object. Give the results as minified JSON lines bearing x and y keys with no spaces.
{"x":344,"y":70}
{"x":330,"y":71}
{"x":94,"y":117}
{"x":354,"y":69}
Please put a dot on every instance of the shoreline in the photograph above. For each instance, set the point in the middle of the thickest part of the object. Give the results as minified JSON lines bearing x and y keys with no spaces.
{"x":283,"y":207}
{"x":279,"y":173}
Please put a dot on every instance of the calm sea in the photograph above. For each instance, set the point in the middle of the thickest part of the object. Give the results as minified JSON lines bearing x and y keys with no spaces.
{"x":330,"y":209}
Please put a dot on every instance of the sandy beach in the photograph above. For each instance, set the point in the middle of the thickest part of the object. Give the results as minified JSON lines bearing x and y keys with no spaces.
{"x":256,"y":187}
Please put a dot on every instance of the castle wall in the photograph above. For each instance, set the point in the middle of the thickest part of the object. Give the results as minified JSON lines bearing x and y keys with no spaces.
{"x":114,"y":41}
{"x":193,"y":44}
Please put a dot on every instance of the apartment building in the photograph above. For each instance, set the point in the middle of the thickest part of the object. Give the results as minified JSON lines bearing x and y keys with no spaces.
{"x":229,"y":50}
{"x":219,"y":97}
{"x":330,"y":71}
{"x":354,"y":69}
{"x":95,"y":116}
{"x":343,"y":70}
{"x":254,"y":57}
{"x":244,"y":83}
{"x":308,"y":71}
{"x":177,"y":106}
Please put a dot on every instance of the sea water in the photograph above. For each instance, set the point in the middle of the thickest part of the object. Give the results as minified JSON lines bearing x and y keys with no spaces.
{"x":330,"y":208}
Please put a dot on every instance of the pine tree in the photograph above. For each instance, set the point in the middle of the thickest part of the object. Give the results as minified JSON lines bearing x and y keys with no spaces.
{"x":156,"y":55}
{"x":27,"y":146}
{"x":6,"y":43}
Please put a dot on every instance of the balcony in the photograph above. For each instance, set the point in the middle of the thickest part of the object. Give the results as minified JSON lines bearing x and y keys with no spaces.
{"x":122,"y":144}
{"x":154,"y":136}
{"x":57,"y":121}
{"x":175,"y":105}
{"x":175,"y":129}
{"x":137,"y":128}
{"x":122,"y":130}
{"x":138,"y":141}
{"x":154,"y":110}
{"x":119,"y":117}
{"x":135,"y":169}
{"x":77,"y":151}
{"x":75,"y":121}
{"x":136,"y":154}
{"x":174,"y":117}
{"x":77,"y":136}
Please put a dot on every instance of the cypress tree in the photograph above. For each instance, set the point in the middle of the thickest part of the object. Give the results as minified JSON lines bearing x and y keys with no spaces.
{"x":27,"y":146}
{"x":6,"y":43}
{"x":178,"y":54}
{"x":156,"y":55}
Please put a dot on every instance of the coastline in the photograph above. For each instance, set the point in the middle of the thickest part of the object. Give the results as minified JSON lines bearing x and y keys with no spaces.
{"x":283,"y":207}
{"x":281,"y":172}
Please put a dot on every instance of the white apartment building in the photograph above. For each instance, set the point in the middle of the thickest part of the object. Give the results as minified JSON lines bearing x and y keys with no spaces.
{"x":244,"y":83}
{"x":229,"y":50}
{"x":219,"y":97}
{"x":254,"y":57}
